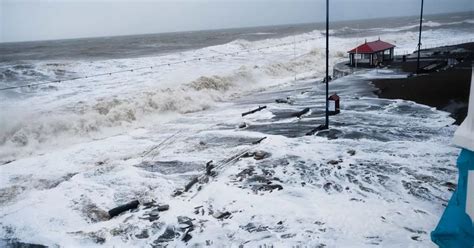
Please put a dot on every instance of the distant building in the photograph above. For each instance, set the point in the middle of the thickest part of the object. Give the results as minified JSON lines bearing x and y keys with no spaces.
{"x":371,"y":53}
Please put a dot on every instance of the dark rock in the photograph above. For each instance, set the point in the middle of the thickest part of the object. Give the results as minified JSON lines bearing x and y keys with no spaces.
{"x":209,"y":167}
{"x":351,"y":152}
{"x":177,"y":193}
{"x":267,"y":187}
{"x":153,"y":218}
{"x":186,"y":237}
{"x":416,"y":238}
{"x":153,"y":215}
{"x":333,"y":162}
{"x":259,"y":155}
{"x":143,"y":235}
{"x":168,"y":235}
{"x":185,"y":222}
{"x":120,"y":209}
{"x":221,"y":215}
{"x":327,"y":186}
{"x":191,"y":183}
{"x":149,"y":204}
{"x":243,"y":125}
{"x":163,"y":207}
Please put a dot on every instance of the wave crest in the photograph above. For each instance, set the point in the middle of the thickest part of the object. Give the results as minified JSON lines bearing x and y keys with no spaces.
{"x":211,"y":83}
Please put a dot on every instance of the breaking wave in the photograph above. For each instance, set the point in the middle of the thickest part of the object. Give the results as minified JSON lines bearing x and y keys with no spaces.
{"x":427,"y":24}
{"x":28,"y":128}
{"x":88,"y":119}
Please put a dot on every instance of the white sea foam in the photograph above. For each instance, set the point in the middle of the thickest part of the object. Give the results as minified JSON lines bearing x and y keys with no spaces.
{"x":51,"y":198}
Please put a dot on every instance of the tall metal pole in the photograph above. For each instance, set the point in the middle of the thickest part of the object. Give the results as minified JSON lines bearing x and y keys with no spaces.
{"x":419,"y":39}
{"x":327,"y":64}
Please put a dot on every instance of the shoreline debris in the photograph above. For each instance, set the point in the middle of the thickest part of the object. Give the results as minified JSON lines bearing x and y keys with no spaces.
{"x":300,"y":113}
{"x":167,"y":236}
{"x":315,"y":130}
{"x":164,"y":207}
{"x":221,"y":215}
{"x":209,"y":167}
{"x":258,"y":141}
{"x":193,"y":181}
{"x":120,"y":209}
{"x":187,"y":226}
{"x":7,"y":162}
{"x":287,"y":100}
{"x":253,"y":111}
{"x":259,"y":155}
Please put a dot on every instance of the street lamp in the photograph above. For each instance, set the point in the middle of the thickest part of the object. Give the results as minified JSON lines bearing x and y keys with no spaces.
{"x":327,"y":65}
{"x":419,"y":39}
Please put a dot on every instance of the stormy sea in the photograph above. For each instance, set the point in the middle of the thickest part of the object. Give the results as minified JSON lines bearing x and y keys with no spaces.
{"x":87,"y":125}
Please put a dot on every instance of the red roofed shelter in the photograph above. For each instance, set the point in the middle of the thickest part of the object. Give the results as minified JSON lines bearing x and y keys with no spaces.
{"x":371,"y":53}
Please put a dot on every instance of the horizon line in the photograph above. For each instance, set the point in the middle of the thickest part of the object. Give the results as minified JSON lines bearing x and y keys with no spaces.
{"x":227,"y":28}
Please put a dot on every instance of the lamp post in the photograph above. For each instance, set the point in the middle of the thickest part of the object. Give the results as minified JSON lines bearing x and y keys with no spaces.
{"x":326,"y":79}
{"x":419,"y":39}
{"x":327,"y":65}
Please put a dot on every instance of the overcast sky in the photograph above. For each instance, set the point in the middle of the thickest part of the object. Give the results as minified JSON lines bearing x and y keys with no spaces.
{"x":24,"y":20}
